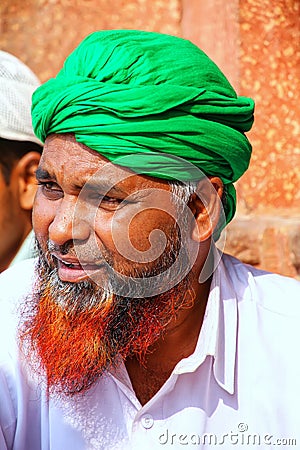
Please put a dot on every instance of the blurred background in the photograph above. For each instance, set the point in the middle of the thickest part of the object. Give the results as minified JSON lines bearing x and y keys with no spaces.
{"x":257,"y":45}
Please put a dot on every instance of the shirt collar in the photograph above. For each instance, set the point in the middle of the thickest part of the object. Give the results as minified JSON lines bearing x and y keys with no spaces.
{"x":218,"y":333}
{"x":26,"y":250}
{"x":226,"y":342}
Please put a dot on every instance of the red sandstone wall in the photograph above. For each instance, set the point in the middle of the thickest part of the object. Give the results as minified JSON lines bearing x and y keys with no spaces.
{"x":257,"y":45}
{"x":43,"y":32}
{"x":268,"y":225}
{"x":270,"y":61}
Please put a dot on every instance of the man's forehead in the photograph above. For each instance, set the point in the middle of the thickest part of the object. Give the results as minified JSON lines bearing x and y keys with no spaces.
{"x":63,"y":151}
{"x":61,"y":145}
{"x":64,"y":155}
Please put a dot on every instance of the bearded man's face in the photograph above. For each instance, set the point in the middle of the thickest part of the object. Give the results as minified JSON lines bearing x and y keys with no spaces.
{"x":108,"y":240}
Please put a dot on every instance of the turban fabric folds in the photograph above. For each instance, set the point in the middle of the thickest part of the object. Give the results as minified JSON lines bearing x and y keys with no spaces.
{"x":126,"y":92}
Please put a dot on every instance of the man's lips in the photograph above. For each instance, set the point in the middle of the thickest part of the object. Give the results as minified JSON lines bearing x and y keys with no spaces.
{"x":74,"y":270}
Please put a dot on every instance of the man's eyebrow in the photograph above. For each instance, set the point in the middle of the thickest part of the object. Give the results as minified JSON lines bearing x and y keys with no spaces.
{"x":42,"y":174}
{"x":95,"y":185}
{"x":104,"y":185}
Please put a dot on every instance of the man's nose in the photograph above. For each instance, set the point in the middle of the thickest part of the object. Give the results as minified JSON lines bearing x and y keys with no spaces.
{"x":69,"y":222}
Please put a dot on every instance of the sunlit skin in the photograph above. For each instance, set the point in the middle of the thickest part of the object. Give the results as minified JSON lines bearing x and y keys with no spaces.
{"x":63,"y":215}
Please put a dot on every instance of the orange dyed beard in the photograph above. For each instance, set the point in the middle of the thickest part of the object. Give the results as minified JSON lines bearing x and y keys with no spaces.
{"x":78,"y":330}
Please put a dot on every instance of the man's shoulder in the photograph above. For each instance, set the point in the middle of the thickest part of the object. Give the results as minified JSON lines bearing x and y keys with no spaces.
{"x":273,"y":292}
{"x":16,"y":282}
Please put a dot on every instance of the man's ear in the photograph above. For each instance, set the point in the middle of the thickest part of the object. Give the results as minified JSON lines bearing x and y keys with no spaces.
{"x":25,"y":172}
{"x":206,"y":207}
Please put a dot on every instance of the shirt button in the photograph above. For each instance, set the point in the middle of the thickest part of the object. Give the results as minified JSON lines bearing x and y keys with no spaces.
{"x":147,"y":421}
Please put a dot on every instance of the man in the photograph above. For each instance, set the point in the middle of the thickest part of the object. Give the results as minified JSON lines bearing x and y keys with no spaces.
{"x":19,"y":157}
{"x":134,"y":330}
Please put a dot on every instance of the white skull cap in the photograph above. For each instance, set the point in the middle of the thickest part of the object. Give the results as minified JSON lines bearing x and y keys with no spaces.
{"x":17,"y":84}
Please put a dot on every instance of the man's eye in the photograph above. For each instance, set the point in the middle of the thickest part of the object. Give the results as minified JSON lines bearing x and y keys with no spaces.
{"x":107,"y":199}
{"x":50,"y":190}
{"x":110,"y":202}
{"x":107,"y":202}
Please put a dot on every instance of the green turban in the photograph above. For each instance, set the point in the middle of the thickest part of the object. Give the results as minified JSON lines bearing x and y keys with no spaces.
{"x":126,"y":92}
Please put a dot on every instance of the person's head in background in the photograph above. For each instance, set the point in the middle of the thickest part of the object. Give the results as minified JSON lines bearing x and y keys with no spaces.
{"x":19,"y":157}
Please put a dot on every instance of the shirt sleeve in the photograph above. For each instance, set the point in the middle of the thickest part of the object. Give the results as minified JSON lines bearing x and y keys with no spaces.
{"x":3,"y":441}
{"x":20,"y":409}
{"x":7,"y":415}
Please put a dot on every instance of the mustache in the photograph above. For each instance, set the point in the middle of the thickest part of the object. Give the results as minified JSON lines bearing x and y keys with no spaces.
{"x":63,"y":249}
{"x":133,"y":283}
{"x":84,"y":252}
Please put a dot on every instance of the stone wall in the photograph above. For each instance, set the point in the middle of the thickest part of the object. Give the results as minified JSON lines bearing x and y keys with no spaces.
{"x":43,"y":32}
{"x":269,"y":193}
{"x":255,"y":42}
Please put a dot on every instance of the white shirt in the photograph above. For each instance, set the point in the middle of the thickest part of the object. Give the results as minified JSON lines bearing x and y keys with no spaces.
{"x":27,"y":249}
{"x":239,"y":389}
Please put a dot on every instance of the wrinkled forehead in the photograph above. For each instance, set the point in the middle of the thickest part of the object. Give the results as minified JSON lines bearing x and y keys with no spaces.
{"x":66,"y":160}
